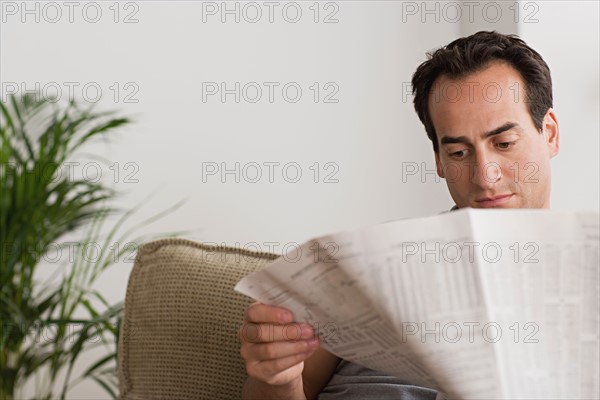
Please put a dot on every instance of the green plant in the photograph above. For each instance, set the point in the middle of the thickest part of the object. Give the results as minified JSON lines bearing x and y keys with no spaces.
{"x":37,"y":210}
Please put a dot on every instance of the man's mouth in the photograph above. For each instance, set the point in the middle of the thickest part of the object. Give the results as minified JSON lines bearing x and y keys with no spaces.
{"x":494,"y":201}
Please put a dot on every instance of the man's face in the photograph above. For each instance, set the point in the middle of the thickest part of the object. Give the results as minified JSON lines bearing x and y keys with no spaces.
{"x":490,"y":152}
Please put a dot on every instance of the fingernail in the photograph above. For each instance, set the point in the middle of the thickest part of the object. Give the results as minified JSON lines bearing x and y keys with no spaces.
{"x":285,"y":317}
{"x":307,"y":331}
{"x":313,"y":342}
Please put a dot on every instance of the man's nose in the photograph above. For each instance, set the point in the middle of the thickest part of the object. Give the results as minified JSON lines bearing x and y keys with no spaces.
{"x":486,"y":171}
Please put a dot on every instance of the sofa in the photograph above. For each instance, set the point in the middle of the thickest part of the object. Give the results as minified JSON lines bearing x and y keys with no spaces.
{"x":178,"y":336}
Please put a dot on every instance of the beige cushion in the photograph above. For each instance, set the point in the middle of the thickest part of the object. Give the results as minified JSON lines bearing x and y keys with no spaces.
{"x":178,"y":336}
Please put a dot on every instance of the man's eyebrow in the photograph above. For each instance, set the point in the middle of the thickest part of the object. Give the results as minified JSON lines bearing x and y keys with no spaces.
{"x":507,"y":126}
{"x":463,"y":139}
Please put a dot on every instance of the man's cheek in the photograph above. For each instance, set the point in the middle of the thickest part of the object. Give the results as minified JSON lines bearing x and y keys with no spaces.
{"x":454,"y":172}
{"x":529,"y":173}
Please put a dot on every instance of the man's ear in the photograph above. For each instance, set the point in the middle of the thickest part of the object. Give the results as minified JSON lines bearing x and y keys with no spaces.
{"x":438,"y":165}
{"x":551,"y":133}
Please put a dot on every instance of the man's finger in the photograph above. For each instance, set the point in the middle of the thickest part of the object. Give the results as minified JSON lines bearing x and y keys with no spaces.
{"x":261,"y":313}
{"x":273,"y":350}
{"x":273,"y":367}
{"x":264,"y":333}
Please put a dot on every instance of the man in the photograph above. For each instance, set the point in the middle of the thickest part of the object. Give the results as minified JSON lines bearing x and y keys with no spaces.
{"x":486,"y":103}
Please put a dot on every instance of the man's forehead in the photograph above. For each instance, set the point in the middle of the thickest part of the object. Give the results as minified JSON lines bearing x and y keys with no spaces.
{"x":478,"y":102}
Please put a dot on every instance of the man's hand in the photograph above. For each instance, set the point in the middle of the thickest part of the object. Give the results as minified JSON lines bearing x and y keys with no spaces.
{"x":274,"y":348}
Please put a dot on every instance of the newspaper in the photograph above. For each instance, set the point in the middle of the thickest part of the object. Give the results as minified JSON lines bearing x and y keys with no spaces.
{"x":477,"y":304}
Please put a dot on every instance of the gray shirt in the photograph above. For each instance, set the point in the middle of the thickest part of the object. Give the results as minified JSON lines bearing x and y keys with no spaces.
{"x":355,"y":382}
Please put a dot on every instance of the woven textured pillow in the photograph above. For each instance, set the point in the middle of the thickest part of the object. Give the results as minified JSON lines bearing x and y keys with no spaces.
{"x":178,"y":336}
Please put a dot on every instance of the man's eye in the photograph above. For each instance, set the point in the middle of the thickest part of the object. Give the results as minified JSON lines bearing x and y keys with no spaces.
{"x":505,"y":145}
{"x":458,"y":154}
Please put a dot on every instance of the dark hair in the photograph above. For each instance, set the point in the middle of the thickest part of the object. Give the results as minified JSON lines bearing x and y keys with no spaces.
{"x":474,"y":53}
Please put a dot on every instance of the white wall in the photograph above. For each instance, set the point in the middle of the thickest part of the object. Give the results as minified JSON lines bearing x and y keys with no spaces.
{"x":370,"y":135}
{"x":567,"y":35}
